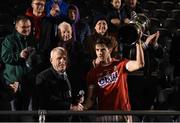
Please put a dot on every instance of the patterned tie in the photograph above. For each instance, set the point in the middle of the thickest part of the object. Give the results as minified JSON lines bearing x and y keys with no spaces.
{"x":65,"y":77}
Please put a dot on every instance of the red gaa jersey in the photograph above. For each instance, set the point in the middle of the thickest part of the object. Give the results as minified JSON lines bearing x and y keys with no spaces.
{"x":111,"y":85}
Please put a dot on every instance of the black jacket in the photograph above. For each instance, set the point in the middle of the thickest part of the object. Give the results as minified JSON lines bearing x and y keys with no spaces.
{"x":53,"y":90}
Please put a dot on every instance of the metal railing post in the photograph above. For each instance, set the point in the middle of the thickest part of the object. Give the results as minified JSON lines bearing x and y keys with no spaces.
{"x":42,"y":116}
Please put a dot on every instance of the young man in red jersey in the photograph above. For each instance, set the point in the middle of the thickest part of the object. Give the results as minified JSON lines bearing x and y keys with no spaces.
{"x":108,"y":80}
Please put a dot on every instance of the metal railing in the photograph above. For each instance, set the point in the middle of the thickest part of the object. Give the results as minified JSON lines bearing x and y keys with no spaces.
{"x":43,"y":113}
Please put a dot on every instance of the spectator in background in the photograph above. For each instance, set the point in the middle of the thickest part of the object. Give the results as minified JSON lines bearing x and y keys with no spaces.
{"x":44,"y":30}
{"x":18,"y":77}
{"x":130,"y":6}
{"x":57,"y":85}
{"x":55,"y":11}
{"x":63,"y":6}
{"x":116,"y":15}
{"x":80,"y":29}
{"x":36,"y":13}
{"x":65,"y":39}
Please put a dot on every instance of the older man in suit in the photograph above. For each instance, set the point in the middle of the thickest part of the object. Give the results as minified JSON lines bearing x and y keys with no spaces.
{"x":56,"y":86}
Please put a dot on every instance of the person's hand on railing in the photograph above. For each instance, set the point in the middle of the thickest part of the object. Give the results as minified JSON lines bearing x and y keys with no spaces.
{"x":78,"y":107}
{"x":77,"y":104}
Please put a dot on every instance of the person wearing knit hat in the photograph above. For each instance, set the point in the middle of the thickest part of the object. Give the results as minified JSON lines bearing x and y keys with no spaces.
{"x":98,"y":17}
{"x":100,"y":24}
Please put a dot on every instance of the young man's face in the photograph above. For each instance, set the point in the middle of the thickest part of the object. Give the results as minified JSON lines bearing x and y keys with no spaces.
{"x":59,"y":61}
{"x":38,"y":6}
{"x":23,"y":27}
{"x":101,"y":27}
{"x":116,"y":4}
{"x":102,"y":52}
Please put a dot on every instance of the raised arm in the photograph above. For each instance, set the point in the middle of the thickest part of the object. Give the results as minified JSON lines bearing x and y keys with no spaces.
{"x":133,"y":65}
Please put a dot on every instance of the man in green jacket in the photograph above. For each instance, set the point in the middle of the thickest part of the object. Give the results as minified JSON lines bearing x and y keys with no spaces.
{"x":15,"y":51}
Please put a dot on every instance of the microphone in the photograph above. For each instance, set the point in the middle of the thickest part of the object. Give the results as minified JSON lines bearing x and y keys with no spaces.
{"x":80,"y":97}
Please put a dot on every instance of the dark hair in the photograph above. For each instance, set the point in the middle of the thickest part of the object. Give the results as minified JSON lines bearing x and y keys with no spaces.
{"x":71,"y":7}
{"x":21,"y":17}
{"x":104,"y":40}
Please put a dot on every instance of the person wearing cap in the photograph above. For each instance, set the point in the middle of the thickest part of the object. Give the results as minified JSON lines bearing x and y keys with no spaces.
{"x":58,"y":86}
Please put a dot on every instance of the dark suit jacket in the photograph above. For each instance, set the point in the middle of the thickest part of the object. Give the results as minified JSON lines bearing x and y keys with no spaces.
{"x":53,"y":90}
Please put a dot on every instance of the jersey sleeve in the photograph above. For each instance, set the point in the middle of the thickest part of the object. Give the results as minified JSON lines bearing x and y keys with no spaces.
{"x":122,"y":65}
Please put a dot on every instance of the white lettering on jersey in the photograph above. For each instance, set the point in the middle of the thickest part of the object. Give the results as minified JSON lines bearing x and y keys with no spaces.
{"x":108,"y":79}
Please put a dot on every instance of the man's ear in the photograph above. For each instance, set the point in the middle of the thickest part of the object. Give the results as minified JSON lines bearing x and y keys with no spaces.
{"x":50,"y":60}
{"x":32,"y":5}
{"x":110,"y":50}
{"x":16,"y":26}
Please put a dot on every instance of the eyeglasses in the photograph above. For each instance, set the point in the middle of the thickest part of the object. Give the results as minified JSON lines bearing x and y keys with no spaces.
{"x":57,"y":11}
{"x":24,"y":27}
{"x":39,"y":4}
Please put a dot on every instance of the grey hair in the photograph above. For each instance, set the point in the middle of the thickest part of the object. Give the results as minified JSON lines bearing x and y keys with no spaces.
{"x":64,"y":23}
{"x":58,"y":49}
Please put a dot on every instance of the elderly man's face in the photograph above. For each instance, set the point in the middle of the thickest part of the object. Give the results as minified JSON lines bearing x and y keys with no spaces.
{"x":59,"y":61}
{"x":23,"y":27}
{"x":38,"y":6}
{"x":65,"y":32}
